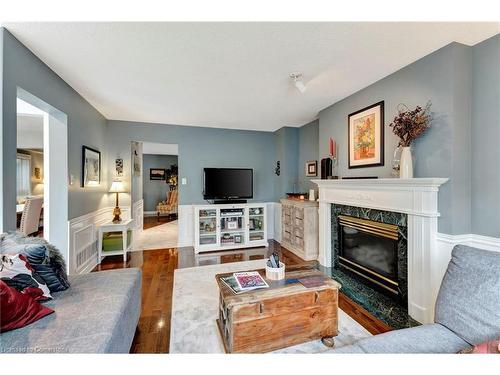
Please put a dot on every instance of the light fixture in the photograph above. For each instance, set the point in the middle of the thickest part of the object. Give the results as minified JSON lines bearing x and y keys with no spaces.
{"x":296,"y":77}
{"x":117,"y":187}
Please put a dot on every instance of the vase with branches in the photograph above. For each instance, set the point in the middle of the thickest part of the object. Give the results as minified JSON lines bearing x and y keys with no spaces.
{"x":409,"y":125}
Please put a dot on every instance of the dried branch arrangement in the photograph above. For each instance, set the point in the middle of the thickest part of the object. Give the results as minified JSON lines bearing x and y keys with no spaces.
{"x":409,"y":125}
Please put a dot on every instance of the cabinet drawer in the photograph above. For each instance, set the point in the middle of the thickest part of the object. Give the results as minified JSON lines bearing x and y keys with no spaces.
{"x":298,"y":223}
{"x":298,"y":241}
{"x":287,"y":236}
{"x":298,"y":213}
{"x":298,"y":232}
{"x":287,"y":219}
{"x":286,"y":210}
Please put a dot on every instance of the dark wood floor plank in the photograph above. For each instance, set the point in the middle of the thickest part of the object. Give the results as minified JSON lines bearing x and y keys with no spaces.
{"x":158,"y":266}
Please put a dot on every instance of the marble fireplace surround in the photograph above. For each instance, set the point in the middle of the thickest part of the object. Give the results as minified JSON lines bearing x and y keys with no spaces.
{"x":415,"y":197}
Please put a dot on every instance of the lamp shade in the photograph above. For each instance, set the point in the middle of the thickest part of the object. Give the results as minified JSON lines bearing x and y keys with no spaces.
{"x":117,"y":187}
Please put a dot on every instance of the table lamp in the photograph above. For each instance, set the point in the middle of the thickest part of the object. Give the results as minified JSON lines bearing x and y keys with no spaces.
{"x":117,"y":187}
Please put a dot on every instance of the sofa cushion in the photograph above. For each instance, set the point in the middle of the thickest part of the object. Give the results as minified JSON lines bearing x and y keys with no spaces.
{"x":17,"y":273}
{"x":18,"y":310}
{"x":98,"y":314}
{"x":430,"y":338}
{"x":468,"y":302}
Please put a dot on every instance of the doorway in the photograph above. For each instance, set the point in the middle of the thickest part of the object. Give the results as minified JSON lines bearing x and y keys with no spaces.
{"x":160,"y":196}
{"x":29,"y":169}
{"x":42,"y":171}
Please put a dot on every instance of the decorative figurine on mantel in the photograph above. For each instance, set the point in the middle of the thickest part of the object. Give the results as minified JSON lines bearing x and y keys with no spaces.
{"x":408,"y":126}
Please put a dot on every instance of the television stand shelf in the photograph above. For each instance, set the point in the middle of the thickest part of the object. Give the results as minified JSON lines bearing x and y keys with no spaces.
{"x":229,"y":226}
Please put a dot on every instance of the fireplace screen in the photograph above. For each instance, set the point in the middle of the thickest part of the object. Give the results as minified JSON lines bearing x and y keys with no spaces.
{"x":369,"y":249}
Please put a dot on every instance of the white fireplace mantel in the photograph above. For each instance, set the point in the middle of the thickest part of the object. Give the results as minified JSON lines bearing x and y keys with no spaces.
{"x":416,"y":197}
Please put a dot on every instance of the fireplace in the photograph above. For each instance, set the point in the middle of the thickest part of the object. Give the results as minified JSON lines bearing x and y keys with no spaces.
{"x":412,"y":205}
{"x":369,"y":249}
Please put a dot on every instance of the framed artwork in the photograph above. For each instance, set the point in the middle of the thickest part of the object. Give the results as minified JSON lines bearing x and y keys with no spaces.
{"x":38,"y":174}
{"x":157,"y":174}
{"x":91,"y":167}
{"x":119,"y":167}
{"x":312,"y":168}
{"x":366,"y":137}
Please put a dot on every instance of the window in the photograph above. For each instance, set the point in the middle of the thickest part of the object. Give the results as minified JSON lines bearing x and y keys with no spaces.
{"x":23,"y":164}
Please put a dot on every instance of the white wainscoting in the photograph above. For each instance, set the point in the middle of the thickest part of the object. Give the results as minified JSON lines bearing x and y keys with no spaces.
{"x":185,"y":236}
{"x":276,"y":221}
{"x":138,"y":214}
{"x":83,"y":238}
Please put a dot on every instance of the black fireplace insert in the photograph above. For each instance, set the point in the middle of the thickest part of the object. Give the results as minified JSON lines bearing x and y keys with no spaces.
{"x":369,"y":249}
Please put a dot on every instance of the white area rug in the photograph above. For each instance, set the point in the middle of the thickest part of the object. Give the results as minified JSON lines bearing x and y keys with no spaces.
{"x":195,"y":304}
{"x":158,"y":237}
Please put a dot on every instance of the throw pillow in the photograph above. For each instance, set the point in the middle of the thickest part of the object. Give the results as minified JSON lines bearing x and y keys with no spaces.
{"x":18,"y":310}
{"x":38,"y":257}
{"x":52,"y":270}
{"x":490,"y":347}
{"x":17,"y":273}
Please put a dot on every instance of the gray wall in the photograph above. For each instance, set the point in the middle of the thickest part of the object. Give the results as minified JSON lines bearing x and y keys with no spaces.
{"x":308,"y":151}
{"x":155,"y":190}
{"x":442,"y":78}
{"x":286,"y":142}
{"x":86,"y":126}
{"x":485,"y":138}
{"x":199,"y":148}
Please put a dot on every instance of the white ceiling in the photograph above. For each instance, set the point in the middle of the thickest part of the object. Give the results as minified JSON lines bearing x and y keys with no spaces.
{"x":231,"y":75}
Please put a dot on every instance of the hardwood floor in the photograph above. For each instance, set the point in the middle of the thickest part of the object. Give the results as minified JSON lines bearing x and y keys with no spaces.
{"x":153,"y":221}
{"x":153,"y":331}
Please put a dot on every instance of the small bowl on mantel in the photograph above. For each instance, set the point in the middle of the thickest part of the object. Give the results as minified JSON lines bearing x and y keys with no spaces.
{"x":298,"y":196}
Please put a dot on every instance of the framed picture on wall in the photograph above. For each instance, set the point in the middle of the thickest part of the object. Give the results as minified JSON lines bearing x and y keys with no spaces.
{"x":312,"y":168}
{"x":366,"y":137}
{"x":91,"y":167}
{"x":157,"y":174}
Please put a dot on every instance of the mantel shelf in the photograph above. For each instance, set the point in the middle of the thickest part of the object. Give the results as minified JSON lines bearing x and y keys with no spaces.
{"x":428,"y":182}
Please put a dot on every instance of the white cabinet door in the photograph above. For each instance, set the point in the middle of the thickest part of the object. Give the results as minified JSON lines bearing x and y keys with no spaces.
{"x":257,"y":224}
{"x":206,"y":227}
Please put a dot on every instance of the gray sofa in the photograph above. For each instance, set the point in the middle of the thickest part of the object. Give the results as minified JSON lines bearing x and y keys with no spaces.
{"x":467,"y":310}
{"x":97,"y":314}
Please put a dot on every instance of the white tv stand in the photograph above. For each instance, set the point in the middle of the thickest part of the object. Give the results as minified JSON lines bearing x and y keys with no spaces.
{"x":229,"y":226}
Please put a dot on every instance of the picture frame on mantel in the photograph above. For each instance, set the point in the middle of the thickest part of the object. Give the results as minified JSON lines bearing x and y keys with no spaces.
{"x":366,"y":137}
{"x":312,"y":168}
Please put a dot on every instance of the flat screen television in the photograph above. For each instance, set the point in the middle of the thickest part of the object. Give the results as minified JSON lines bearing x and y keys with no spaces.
{"x":226,"y":184}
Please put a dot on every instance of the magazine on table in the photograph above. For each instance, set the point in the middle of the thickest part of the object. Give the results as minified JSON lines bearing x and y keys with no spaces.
{"x":230,"y":282}
{"x":250,"y":280}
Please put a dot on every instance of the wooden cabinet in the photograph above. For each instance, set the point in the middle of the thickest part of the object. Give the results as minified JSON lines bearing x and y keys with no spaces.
{"x":299,"y":227}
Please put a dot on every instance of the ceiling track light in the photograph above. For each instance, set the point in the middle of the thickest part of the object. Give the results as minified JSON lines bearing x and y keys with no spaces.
{"x":296,"y":77}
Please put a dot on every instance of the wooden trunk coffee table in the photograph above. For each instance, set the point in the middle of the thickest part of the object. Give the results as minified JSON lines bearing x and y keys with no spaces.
{"x":282,"y":315}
